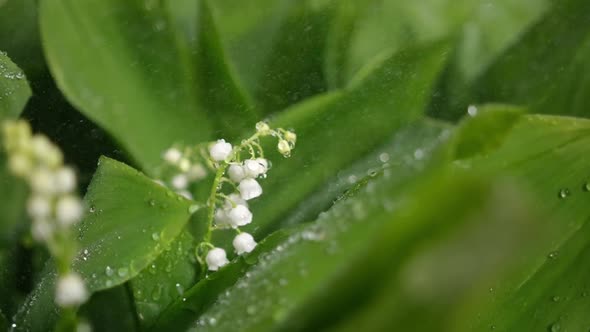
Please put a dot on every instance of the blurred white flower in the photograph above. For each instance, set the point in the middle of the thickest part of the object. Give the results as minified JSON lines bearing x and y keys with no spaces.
{"x":69,"y":210}
{"x":172,"y":155}
{"x":70,"y":290}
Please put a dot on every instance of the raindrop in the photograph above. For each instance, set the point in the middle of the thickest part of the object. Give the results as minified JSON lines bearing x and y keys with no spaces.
{"x":152,"y":202}
{"x":563,"y":193}
{"x":179,"y":289}
{"x":555,"y":298}
{"x":472,"y":110}
{"x":212,"y":321}
{"x":122,"y":272}
{"x":587,"y":186}
{"x":109,"y":271}
{"x":552,"y":255}
{"x":352,"y":179}
{"x":418,"y":154}
{"x":155,"y":236}
{"x":92,"y":209}
{"x":384,"y":157}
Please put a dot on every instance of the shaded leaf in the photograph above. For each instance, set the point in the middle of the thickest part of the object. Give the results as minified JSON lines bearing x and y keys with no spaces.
{"x":147,"y":73}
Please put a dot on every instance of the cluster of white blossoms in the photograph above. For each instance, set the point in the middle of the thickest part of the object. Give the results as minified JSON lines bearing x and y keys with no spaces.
{"x":53,"y":206}
{"x":182,"y":170}
{"x":231,"y":210}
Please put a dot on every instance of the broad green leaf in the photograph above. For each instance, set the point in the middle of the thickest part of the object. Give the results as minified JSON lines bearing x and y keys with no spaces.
{"x":183,"y":311}
{"x":14,"y":93}
{"x":277,"y":47}
{"x":14,"y":89}
{"x":131,"y":221}
{"x":19,"y":36}
{"x":382,"y":100}
{"x":150,"y":73}
{"x":547,"y":69}
{"x":335,"y":264}
{"x":414,"y":142}
{"x":165,"y":279}
{"x":546,"y":153}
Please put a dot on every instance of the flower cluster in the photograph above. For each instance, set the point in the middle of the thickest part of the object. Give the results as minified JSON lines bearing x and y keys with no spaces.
{"x":229,"y":209}
{"x":53,"y":205}
{"x":182,"y":167}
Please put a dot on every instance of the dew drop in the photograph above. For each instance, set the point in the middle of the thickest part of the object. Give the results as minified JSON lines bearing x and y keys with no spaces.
{"x":179,"y":289}
{"x":563,"y":193}
{"x":122,"y":272}
{"x":418,"y":154}
{"x":555,"y":298}
{"x":552,"y":255}
{"x":586,"y":186}
{"x":92,"y":209}
{"x":384,"y":157}
{"x":155,"y":236}
{"x":109,"y":271}
{"x":152,"y":202}
{"x":212,"y":321}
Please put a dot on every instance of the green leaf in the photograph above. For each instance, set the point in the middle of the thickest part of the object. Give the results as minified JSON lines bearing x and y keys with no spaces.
{"x":416,"y":142}
{"x":150,"y":73}
{"x":332,"y":266}
{"x":547,"y":69}
{"x":277,"y":47}
{"x":485,"y":130}
{"x":165,"y":279}
{"x":382,"y":100}
{"x":544,"y":152}
{"x":19,"y":36}
{"x":183,"y":311}
{"x":131,"y":222}
{"x":14,"y":89}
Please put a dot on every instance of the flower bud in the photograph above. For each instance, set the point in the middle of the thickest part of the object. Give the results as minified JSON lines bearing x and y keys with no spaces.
{"x":284,"y":147}
{"x":220,"y":150}
{"x":236,"y":173}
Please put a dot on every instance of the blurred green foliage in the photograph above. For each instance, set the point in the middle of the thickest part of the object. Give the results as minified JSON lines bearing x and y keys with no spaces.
{"x":399,"y":209}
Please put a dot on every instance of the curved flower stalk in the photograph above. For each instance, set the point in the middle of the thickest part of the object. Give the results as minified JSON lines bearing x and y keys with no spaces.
{"x":237,"y":171}
{"x":53,"y":205}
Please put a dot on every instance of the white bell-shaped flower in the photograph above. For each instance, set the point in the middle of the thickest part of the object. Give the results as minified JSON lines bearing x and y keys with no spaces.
{"x":255,"y":167}
{"x":196,"y":172}
{"x":70,"y":290}
{"x":236,"y":173}
{"x":244,"y":243}
{"x":222,"y":219}
{"x":39,"y":207}
{"x":65,"y":180}
{"x":172,"y":155}
{"x":68,"y":210}
{"x":216,"y":258}
{"x":220,"y":150}
{"x":239,"y":216}
{"x":249,"y":189}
